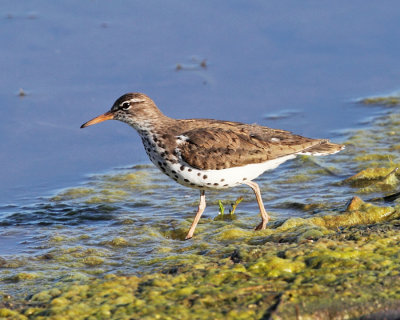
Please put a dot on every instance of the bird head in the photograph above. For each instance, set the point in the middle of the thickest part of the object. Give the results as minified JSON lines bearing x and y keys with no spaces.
{"x":135,"y":109}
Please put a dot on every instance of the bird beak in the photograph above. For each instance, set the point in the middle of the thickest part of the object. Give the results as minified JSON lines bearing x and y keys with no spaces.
{"x":107,"y":116}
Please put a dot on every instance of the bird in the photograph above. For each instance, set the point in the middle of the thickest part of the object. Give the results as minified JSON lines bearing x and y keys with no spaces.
{"x":208,"y":154}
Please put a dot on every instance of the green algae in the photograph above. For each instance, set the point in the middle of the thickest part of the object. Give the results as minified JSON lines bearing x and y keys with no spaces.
{"x":375,"y":179}
{"x":22,"y":277}
{"x":299,"y":178}
{"x":277,"y":272}
{"x":373,"y":157}
{"x":73,"y":193}
{"x":6,"y":313}
{"x":93,"y":261}
{"x":278,"y":280}
{"x":371,"y":174}
{"x":362,"y":213}
{"x":274,"y":267}
{"x":390,"y":101}
{"x":108,"y":188}
{"x":256,"y":275}
{"x":118,"y":242}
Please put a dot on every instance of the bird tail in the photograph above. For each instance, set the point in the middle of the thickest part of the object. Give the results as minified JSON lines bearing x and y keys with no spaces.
{"x":323,"y":148}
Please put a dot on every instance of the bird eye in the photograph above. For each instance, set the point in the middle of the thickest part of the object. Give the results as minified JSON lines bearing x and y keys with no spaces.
{"x":125,"y":106}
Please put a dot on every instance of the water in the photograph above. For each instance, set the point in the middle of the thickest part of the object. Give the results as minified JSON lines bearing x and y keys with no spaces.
{"x":280,"y":64}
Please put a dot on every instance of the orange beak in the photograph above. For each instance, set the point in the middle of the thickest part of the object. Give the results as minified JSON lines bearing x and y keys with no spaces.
{"x":107,"y":116}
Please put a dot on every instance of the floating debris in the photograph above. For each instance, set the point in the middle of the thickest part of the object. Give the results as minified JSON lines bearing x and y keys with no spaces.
{"x":195,"y":64}
{"x":22,"y":93}
{"x":203,"y":64}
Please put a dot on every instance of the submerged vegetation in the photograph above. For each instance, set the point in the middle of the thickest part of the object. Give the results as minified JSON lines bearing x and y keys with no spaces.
{"x":390,"y":100}
{"x":113,"y":248}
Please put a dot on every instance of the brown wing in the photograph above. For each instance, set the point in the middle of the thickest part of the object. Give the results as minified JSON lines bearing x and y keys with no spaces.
{"x":227,"y":144}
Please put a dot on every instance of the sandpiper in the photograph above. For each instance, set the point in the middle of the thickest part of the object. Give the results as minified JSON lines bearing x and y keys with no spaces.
{"x":211,"y":154}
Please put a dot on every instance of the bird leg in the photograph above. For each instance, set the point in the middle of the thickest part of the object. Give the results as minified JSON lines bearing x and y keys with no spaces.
{"x":264,"y":214}
{"x":200,"y":210}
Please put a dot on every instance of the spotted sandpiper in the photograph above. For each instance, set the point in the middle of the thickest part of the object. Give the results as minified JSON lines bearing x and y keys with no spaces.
{"x":210,"y":154}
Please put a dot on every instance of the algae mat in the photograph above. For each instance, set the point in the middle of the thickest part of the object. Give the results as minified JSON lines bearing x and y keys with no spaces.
{"x":99,"y":255}
{"x":340,"y":274}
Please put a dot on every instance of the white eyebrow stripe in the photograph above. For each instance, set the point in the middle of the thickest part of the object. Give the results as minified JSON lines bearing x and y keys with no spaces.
{"x":136,"y":100}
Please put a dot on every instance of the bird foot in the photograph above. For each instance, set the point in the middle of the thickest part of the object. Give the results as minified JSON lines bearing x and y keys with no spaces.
{"x":188,"y":237}
{"x":261,"y":226}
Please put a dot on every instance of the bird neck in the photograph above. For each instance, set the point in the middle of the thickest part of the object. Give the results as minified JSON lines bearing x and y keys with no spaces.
{"x":153,"y":122}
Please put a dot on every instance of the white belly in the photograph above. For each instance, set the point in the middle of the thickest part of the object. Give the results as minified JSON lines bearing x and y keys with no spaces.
{"x":224,"y":178}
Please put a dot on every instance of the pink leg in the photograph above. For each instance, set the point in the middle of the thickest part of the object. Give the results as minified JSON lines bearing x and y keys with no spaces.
{"x":200,"y":210}
{"x":264,"y":214}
